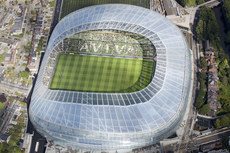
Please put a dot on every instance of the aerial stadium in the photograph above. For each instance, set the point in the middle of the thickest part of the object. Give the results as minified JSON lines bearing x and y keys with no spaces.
{"x":114,"y":77}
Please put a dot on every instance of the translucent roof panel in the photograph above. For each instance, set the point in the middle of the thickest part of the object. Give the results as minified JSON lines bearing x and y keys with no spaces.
{"x":116,"y":121}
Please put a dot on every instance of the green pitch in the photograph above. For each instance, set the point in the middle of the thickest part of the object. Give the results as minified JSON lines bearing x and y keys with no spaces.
{"x":96,"y":73}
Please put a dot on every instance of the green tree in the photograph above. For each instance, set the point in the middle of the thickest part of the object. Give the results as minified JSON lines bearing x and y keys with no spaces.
{"x":199,"y":102}
{"x":12,"y":146}
{"x":207,"y":28}
{"x":226,"y":10}
{"x":2,"y":98}
{"x":202,"y":76}
{"x":198,"y":2}
{"x":24,"y":74}
{"x":200,"y":99}
{"x":224,"y":96}
{"x":2,"y":57}
{"x":224,"y":79}
{"x":52,"y":3}
{"x":225,"y":121}
{"x":28,"y":32}
{"x":203,"y":63}
{"x":33,"y":12}
{"x":27,"y":47}
{"x":205,"y":109}
{"x":223,"y":64}
{"x":227,"y":38}
{"x":182,"y":2}
{"x":217,"y":123}
{"x":4,"y":148}
{"x":200,"y":30}
{"x":40,"y":44}
{"x":203,"y":85}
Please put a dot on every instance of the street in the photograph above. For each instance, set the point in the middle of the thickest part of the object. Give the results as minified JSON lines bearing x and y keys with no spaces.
{"x":9,"y":112}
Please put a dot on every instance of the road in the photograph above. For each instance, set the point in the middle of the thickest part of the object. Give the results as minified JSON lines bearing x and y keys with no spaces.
{"x":10,"y":38}
{"x":7,"y":117}
{"x":57,"y":15}
{"x":42,"y":142}
{"x":24,"y":41}
{"x":193,"y":10}
{"x":211,"y":3}
{"x":188,"y":128}
{"x":184,"y":142}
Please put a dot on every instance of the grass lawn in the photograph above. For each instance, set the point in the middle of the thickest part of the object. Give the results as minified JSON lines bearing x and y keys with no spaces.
{"x":2,"y":105}
{"x":73,"y":5}
{"x":191,"y":3}
{"x":95,"y":73}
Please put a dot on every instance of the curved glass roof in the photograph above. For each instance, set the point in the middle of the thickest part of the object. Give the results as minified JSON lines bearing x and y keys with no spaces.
{"x":151,"y":110}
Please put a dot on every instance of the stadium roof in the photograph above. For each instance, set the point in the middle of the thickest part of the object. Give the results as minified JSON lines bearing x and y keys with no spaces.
{"x":113,"y":121}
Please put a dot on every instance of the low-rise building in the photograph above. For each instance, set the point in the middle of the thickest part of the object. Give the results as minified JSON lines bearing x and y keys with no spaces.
{"x":212,"y":100}
{"x":19,"y":22}
{"x":208,"y":49}
{"x":3,"y":137}
{"x":212,"y":91}
{"x":17,"y":28}
{"x":10,"y":57}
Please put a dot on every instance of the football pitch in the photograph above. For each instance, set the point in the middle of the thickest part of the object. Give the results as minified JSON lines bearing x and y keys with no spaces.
{"x":95,"y":73}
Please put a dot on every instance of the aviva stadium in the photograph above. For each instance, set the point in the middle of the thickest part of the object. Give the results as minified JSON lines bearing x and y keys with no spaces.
{"x":114,"y":77}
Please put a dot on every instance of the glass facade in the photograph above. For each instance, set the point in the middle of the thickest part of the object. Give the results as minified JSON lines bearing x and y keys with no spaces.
{"x":115,"y":121}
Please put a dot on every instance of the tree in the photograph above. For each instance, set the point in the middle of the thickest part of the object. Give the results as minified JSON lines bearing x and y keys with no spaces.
{"x":182,"y":2}
{"x":24,"y":74}
{"x":217,"y":123}
{"x":224,"y":99}
{"x":200,"y":30}
{"x":223,"y":64}
{"x":200,"y":99}
{"x":226,"y":10}
{"x":203,"y":85}
{"x":27,"y":69}
{"x":27,"y":47}
{"x":2,"y":98}
{"x":225,"y":121}
{"x":199,"y":103}
{"x":205,"y":109}
{"x":4,"y":148}
{"x":224,"y":80}
{"x":207,"y":28}
{"x":203,"y":63}
{"x":40,"y":44}
{"x":52,"y":3}
{"x":202,"y":76}
{"x":227,"y":38}
{"x":225,"y":142}
{"x":28,"y":32}
{"x":198,"y":2}
{"x":2,"y":57}
{"x":33,"y":12}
